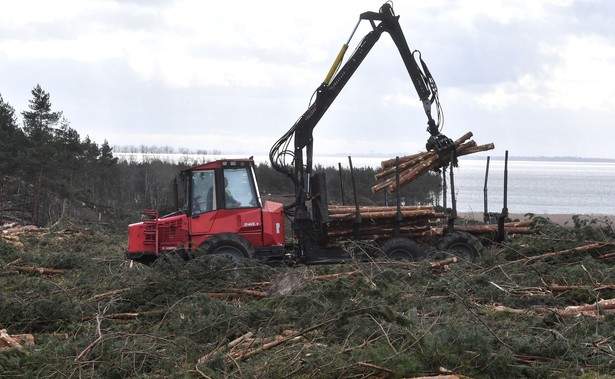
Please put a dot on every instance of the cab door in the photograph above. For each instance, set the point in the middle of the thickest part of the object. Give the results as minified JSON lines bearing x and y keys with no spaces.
{"x":240,"y":209}
{"x":203,"y":203}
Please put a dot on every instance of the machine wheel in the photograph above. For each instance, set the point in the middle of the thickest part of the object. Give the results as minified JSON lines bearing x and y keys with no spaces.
{"x":402,"y":249}
{"x":463,"y":245}
{"x":228,"y":245}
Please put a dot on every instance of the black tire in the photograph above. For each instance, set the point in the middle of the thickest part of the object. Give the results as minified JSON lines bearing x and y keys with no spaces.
{"x":228,"y":245}
{"x":402,"y":249}
{"x":462,"y":245}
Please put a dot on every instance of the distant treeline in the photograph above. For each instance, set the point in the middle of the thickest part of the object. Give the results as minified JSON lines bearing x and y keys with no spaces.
{"x":50,"y":175}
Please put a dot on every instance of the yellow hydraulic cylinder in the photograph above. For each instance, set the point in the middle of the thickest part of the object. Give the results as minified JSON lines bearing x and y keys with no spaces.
{"x":336,"y":63}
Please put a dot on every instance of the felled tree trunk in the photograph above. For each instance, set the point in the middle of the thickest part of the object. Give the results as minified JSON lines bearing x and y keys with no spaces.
{"x":579,"y":249}
{"x":413,"y":166}
{"x":510,"y":228}
{"x":381,"y":222}
{"x":8,"y":341}
{"x":40,"y":270}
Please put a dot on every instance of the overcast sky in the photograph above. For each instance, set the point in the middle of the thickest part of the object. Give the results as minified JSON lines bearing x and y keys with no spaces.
{"x":535,"y":77}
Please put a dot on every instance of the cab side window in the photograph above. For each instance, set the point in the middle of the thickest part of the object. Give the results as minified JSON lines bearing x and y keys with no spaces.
{"x":203,"y":191}
{"x":239,"y":191}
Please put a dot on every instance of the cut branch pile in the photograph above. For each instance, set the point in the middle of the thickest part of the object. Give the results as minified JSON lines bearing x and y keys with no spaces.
{"x":247,"y":346}
{"x":413,"y":166}
{"x":379,"y":221}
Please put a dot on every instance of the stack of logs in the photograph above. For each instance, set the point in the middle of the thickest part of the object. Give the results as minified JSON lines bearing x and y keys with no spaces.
{"x":413,"y":166}
{"x":379,"y":221}
{"x":414,"y":221}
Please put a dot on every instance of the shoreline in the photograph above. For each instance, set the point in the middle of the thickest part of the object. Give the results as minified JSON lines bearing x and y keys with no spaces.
{"x":557,"y":218}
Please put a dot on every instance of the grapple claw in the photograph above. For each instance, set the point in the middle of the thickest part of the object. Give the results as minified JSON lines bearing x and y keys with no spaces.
{"x":439,"y":143}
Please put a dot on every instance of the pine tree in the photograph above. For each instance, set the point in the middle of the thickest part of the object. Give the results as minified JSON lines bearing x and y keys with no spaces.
{"x":40,"y":120}
{"x":106,"y":171}
{"x":38,"y":127}
{"x":68,"y":154}
{"x":11,"y":138}
{"x":11,"y":141}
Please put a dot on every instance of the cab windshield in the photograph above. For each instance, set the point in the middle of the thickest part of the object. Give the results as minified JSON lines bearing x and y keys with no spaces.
{"x":239,"y":191}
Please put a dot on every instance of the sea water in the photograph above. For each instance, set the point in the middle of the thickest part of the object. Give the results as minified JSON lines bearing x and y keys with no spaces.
{"x":537,"y":186}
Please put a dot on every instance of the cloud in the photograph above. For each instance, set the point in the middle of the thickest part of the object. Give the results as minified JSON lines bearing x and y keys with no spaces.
{"x":579,"y":80}
{"x":189,"y":68}
{"x":573,"y":79}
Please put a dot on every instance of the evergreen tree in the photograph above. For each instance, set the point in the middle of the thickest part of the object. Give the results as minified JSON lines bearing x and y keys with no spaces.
{"x":68,"y":154}
{"x":106,"y":155}
{"x":11,"y":138}
{"x":11,"y":141}
{"x":89,"y":178}
{"x":106,"y":171}
{"x":39,"y":122}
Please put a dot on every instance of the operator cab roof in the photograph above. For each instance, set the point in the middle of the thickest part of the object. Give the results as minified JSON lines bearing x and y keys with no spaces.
{"x":222,"y":163}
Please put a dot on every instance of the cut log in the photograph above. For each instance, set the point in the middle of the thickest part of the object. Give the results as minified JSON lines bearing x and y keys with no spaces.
{"x":557,"y":288}
{"x":333,"y":276}
{"x":238,"y":293}
{"x":40,"y":270}
{"x":8,"y":341}
{"x":337,"y":209}
{"x":241,"y":339}
{"x":606,"y":257}
{"x":416,"y":165}
{"x":383,"y":214}
{"x":443,"y":262}
{"x":380,"y":233}
{"x":108,"y":294}
{"x":491,"y":228}
{"x":417,"y":158}
{"x":593,"y":308}
{"x":584,"y":248}
{"x":432,"y":163}
{"x":380,"y":222}
{"x":391,"y":162}
{"x":505,"y":309}
{"x":122,"y":316}
{"x":377,"y":368}
{"x":23,"y":229}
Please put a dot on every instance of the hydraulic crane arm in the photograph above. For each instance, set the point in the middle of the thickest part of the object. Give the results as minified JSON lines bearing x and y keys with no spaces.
{"x":383,"y":21}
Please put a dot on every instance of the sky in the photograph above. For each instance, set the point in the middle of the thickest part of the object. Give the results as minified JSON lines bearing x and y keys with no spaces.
{"x":534,"y":77}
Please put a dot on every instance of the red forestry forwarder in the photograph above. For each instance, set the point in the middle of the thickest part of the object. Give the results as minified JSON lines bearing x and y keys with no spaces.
{"x":222,"y":212}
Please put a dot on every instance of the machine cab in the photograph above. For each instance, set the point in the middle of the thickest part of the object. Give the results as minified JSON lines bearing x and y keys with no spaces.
{"x":223,"y":197}
{"x":220,"y":185}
